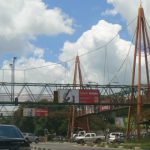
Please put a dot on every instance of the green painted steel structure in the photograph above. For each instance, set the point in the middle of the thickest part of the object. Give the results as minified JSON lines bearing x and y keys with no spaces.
{"x":35,"y":92}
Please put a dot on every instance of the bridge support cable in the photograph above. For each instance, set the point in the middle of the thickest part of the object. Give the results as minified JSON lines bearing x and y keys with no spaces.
{"x":141,"y":45}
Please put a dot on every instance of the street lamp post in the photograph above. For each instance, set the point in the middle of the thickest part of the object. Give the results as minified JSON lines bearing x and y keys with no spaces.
{"x":13,"y":79}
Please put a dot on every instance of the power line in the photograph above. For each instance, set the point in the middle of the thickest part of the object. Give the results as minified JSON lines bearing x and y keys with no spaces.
{"x":72,"y":59}
{"x":115,"y":76}
{"x":86,"y":53}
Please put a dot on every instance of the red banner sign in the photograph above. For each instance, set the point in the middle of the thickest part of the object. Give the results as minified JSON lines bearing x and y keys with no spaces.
{"x":41,"y":112}
{"x":105,"y":107}
{"x":89,"y":96}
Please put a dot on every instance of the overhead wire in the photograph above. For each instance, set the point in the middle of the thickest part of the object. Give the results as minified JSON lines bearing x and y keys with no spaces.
{"x":69,"y":60}
{"x":147,"y":23}
{"x":123,"y":60}
{"x":125,"y":71}
{"x":86,"y":53}
{"x":105,"y":63}
{"x":81,"y":55}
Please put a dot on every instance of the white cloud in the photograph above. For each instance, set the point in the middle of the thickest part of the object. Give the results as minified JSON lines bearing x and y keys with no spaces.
{"x":32,"y":17}
{"x":92,"y":64}
{"x":109,"y":57}
{"x":28,"y":70}
{"x":23,"y":20}
{"x":129,"y":10}
{"x":107,"y":12}
{"x":97,"y":66}
{"x":97,"y":36}
{"x":39,"y":53}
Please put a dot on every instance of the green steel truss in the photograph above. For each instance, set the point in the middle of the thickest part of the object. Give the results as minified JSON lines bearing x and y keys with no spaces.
{"x":35,"y":92}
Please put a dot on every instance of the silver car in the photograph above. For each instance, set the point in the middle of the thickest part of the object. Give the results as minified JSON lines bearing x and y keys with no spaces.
{"x":117,"y":137}
{"x":31,"y":137}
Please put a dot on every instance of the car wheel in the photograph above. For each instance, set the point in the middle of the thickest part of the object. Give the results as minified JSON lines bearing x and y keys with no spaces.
{"x":27,"y":140}
{"x":82,"y":142}
{"x":98,"y":141}
{"x":37,"y":141}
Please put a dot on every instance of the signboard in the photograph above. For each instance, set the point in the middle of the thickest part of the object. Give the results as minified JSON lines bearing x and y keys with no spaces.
{"x":105,"y":107}
{"x":32,"y":112}
{"x":89,"y":109}
{"x":119,"y":122}
{"x":68,"y":96}
{"x":29,"y":112}
{"x":84,"y":110}
{"x":41,"y":112}
{"x":78,"y":96}
{"x":89,"y":96}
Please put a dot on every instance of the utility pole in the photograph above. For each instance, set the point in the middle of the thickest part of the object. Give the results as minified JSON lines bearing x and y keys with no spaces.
{"x":13,"y":79}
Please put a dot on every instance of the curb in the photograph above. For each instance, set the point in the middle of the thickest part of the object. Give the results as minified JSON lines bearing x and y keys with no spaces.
{"x":106,"y":147}
{"x":39,"y":148}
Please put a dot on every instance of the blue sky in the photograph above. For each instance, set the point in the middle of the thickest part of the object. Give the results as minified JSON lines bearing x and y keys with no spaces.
{"x":85,"y":14}
{"x":48,"y":32}
{"x":45,"y":33}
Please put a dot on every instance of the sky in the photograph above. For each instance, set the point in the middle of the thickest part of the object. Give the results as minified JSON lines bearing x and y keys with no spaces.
{"x":46,"y":36}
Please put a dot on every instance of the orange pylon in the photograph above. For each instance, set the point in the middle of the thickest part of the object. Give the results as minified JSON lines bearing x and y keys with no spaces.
{"x":74,"y":123}
{"x":142,"y":44}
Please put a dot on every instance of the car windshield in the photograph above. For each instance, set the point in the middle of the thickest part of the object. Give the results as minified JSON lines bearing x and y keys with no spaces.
{"x":10,"y":132}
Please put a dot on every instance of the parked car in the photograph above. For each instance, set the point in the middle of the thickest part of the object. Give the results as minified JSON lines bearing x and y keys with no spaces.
{"x":11,"y":138}
{"x":80,"y":133}
{"x":30,"y":137}
{"x":59,"y":138}
{"x":117,"y":137}
{"x":89,"y":137}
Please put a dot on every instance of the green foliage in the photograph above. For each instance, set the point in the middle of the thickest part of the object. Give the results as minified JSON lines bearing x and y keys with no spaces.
{"x":57,"y":120}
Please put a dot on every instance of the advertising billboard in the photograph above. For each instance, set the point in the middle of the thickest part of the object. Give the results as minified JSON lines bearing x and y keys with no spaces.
{"x":88,"y":96}
{"x":41,"y":112}
{"x":28,"y":112}
{"x":105,"y":107}
{"x":89,"y":109}
{"x":32,"y":112}
{"x":84,"y":110}
{"x":119,"y":122}
{"x":68,"y":96}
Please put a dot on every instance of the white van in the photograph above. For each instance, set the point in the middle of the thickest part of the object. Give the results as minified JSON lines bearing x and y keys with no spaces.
{"x":116,"y":137}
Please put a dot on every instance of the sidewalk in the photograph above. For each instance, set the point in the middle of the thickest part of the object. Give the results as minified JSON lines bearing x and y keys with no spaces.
{"x":44,"y":146}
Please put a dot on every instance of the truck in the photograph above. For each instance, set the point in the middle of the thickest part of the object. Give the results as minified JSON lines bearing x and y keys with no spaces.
{"x":89,"y":138}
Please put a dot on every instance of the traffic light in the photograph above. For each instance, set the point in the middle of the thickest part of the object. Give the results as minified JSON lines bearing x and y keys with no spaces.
{"x":16,"y":101}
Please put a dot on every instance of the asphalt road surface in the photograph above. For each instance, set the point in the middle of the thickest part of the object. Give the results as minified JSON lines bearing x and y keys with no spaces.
{"x":65,"y":146}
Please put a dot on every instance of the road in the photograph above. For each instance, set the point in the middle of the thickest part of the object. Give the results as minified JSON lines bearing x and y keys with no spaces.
{"x":65,"y":146}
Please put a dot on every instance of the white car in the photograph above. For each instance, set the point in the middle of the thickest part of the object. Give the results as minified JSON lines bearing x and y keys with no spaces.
{"x":30,"y":137}
{"x":116,"y":137}
{"x":89,"y":137}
